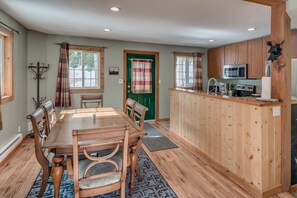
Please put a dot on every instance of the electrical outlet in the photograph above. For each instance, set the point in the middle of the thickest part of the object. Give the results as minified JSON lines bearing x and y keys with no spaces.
{"x":19,"y":129}
{"x":276,"y":111}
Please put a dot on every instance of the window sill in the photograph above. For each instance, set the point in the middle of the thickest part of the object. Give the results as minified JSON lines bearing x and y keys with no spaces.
{"x":6,"y":99}
{"x":86,"y":90}
{"x":184,"y":87}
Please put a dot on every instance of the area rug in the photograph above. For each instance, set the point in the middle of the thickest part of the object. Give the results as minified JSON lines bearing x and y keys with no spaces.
{"x":155,"y":140}
{"x":153,"y":185}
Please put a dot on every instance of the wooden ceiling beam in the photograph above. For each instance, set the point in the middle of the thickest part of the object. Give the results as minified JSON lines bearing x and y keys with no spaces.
{"x":265,"y":2}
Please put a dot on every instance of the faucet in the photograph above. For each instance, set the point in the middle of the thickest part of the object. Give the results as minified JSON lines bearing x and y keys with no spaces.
{"x":216,"y":84}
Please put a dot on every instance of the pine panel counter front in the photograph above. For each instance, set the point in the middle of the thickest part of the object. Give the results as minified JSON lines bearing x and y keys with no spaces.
{"x":239,"y":137}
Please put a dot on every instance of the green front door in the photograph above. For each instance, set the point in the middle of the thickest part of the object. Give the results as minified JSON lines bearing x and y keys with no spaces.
{"x":146,"y":99}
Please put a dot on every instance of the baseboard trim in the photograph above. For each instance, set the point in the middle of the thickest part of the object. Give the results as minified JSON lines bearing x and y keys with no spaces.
{"x":163,"y":120}
{"x":14,"y":150}
{"x":223,"y":170}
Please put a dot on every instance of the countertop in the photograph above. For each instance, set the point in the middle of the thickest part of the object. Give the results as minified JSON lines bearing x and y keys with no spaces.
{"x":245,"y":100}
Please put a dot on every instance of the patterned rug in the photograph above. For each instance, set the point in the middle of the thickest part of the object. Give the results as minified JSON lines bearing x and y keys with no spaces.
{"x":153,"y":184}
{"x":155,"y":140}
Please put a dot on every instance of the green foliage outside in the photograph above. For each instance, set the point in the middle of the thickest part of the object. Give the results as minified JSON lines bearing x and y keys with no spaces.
{"x":75,"y":60}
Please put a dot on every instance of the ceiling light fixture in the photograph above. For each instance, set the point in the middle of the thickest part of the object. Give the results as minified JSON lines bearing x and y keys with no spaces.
{"x":211,"y":40}
{"x":115,"y":9}
{"x":251,"y":29}
{"x":107,"y":30}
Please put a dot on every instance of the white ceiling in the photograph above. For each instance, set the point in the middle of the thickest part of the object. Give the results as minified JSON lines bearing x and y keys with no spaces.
{"x":179,"y":22}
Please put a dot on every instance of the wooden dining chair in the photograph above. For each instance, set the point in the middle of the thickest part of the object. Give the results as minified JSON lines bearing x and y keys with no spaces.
{"x":129,"y":107}
{"x":91,"y":99}
{"x":104,"y":172}
{"x":50,"y":114}
{"x":139,"y":112}
{"x":43,"y":156}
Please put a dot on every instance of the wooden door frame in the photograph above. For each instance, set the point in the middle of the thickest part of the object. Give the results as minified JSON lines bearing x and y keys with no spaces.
{"x":126,"y":52}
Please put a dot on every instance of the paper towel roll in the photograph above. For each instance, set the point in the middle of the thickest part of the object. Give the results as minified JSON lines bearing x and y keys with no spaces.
{"x":266,"y":87}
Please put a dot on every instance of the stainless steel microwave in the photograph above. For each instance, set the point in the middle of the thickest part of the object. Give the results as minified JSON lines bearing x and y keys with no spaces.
{"x":238,"y":71}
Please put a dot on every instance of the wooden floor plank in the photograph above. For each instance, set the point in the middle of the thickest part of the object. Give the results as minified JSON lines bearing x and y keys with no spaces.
{"x":188,"y":174}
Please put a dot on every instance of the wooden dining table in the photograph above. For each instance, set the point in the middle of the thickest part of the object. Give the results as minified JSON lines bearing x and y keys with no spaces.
{"x":60,"y":137}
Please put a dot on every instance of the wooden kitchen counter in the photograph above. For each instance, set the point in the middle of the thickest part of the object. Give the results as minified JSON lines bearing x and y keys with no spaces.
{"x":245,"y":100}
{"x":239,"y":137}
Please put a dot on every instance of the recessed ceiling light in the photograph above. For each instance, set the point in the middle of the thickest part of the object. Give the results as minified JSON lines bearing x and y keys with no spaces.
{"x":115,"y":9}
{"x":107,"y":30}
{"x":251,"y":29}
{"x":211,"y":40}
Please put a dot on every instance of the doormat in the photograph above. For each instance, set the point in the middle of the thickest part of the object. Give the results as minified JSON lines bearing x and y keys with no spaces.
{"x":155,"y":140}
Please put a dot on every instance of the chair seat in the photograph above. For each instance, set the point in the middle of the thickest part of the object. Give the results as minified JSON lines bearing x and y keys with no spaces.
{"x":50,"y":159}
{"x":98,"y":169}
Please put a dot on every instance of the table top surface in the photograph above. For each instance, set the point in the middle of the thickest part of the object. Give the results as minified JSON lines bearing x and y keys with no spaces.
{"x":60,"y":136}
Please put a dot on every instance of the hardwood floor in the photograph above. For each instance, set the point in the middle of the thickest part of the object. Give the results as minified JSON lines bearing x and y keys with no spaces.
{"x":187,"y":174}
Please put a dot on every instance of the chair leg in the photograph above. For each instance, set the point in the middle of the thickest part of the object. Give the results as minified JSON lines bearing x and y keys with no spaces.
{"x":123,"y":189}
{"x":137,"y":169}
{"x":45,"y":176}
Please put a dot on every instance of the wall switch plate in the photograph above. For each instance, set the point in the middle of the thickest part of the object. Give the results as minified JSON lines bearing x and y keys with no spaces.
{"x":159,"y":81}
{"x":120,"y":81}
{"x":276,"y":111}
{"x":19,"y":129}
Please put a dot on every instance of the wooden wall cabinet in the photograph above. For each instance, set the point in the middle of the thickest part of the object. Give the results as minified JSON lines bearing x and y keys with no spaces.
{"x":255,"y":58}
{"x":236,"y":53}
{"x":294,"y":43}
{"x":215,"y":62}
{"x":230,"y":54}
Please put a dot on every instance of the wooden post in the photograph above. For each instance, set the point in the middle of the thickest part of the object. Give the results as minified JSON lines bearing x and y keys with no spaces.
{"x":281,"y":79}
{"x":281,"y":82}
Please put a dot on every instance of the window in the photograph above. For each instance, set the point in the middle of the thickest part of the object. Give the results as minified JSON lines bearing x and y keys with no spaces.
{"x":86,"y":69}
{"x":184,"y":70}
{"x":6,"y":65}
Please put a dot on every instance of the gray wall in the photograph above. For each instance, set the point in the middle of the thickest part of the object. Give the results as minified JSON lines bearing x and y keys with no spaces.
{"x":14,"y":113}
{"x":42,"y":47}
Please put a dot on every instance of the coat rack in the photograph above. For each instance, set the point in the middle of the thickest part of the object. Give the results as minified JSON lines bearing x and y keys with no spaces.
{"x":38,"y":69}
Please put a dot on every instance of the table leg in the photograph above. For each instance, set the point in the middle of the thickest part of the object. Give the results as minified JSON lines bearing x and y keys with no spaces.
{"x":133,"y":164}
{"x":57,"y":173}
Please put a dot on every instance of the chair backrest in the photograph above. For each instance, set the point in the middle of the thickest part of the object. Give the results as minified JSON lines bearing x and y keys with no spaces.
{"x":139,"y":112}
{"x":129,"y":107}
{"x":50,"y":114}
{"x":39,"y":126}
{"x":95,"y":99}
{"x":88,"y":141}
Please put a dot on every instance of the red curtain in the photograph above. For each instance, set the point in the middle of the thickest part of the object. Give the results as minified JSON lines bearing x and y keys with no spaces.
{"x":63,"y":98}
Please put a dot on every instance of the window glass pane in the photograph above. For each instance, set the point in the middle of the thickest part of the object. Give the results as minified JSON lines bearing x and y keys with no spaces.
{"x":184,"y":71}
{"x":83,"y":69}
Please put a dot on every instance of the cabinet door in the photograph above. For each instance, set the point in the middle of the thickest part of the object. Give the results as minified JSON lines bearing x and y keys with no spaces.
{"x":255,"y":58}
{"x":211,"y":55}
{"x":241,"y":52}
{"x":294,"y":43}
{"x":230,"y":54}
{"x":215,"y":62}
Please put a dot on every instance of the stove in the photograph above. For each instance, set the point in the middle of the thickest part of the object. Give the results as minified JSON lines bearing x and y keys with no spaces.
{"x":239,"y":90}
